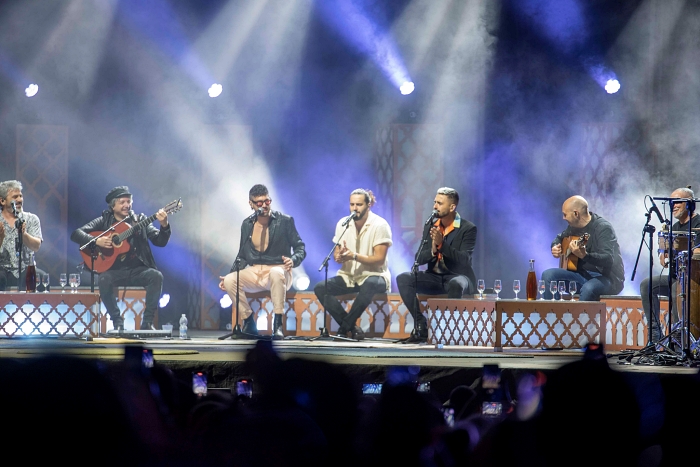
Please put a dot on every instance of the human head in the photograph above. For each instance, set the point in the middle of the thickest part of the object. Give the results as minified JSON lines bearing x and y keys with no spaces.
{"x":120,"y":201}
{"x":680,"y":210}
{"x":575,"y":211}
{"x":446,"y":201}
{"x":258,"y":197}
{"x":11,"y":190}
{"x":361,"y":201}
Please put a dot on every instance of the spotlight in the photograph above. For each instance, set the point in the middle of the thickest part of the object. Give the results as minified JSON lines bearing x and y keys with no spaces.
{"x":225,"y":301}
{"x":302,"y":282}
{"x":612,"y":86}
{"x":407,"y":88}
{"x":31,"y":90}
{"x":164,"y":300}
{"x":215,"y":90}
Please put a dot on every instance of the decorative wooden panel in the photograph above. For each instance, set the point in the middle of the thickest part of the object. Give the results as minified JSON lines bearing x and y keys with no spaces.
{"x":42,"y":167}
{"x":48,"y":314}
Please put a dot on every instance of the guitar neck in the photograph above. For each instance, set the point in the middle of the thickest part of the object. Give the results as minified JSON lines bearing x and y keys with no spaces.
{"x":130,"y":231}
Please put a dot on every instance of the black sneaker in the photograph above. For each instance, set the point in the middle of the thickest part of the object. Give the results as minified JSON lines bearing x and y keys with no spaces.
{"x":118,"y":324}
{"x":358,"y":333}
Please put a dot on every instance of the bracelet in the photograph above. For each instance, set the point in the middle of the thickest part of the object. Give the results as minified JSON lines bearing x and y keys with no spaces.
{"x":354,"y":258}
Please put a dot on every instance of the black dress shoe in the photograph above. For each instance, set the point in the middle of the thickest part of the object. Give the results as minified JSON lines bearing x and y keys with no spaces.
{"x":419,"y":335}
{"x":147,"y":326}
{"x":358,"y":333}
{"x":118,"y":324}
{"x":249,"y":326}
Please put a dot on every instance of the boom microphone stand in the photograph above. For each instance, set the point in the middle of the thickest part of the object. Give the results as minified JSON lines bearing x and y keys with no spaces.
{"x":18,"y":244}
{"x":414,"y":272}
{"x":323,"y":330}
{"x":650,"y":229}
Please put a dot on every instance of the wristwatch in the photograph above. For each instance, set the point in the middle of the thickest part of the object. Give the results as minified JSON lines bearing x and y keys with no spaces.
{"x":354,"y":257}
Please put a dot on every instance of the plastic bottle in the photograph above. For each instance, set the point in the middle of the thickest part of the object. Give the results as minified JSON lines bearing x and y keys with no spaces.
{"x":183,"y":326}
{"x":31,"y":275}
{"x":531,"y":283}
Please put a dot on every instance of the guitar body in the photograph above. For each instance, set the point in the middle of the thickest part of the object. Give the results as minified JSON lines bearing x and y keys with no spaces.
{"x":106,"y":257}
{"x":568,"y":260}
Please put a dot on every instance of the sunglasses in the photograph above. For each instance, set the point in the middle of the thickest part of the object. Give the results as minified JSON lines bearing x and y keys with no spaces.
{"x":260,"y":203}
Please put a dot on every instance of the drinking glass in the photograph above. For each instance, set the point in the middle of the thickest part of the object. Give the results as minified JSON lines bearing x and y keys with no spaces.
{"x":562,"y":289}
{"x":481,"y":286}
{"x":38,"y":282}
{"x":73,"y":282}
{"x":542,"y":288}
{"x":516,"y":287}
{"x":45,"y":281}
{"x":553,"y":288}
{"x":63,"y":280}
{"x":497,"y":287}
{"x":572,"y":288}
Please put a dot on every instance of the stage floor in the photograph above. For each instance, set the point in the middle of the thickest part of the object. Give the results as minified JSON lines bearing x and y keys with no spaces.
{"x":224,"y":360}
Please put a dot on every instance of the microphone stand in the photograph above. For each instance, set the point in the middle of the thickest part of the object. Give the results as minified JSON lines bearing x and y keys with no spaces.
{"x":92,"y":244}
{"x":324,"y":335}
{"x":19,"y":222}
{"x":650,"y":229}
{"x":414,"y":272}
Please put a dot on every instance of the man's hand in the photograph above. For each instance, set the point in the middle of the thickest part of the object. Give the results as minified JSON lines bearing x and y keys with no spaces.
{"x":288,"y":263}
{"x":221,"y":283}
{"x":437,"y":236}
{"x":343,"y":254}
{"x":578,"y":249}
{"x":556,"y":250}
{"x":162,"y":217}
{"x":104,"y":242}
{"x":2,"y":235}
{"x":663,"y":259}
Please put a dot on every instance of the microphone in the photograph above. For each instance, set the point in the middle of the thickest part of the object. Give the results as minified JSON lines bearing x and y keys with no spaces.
{"x":655,"y":209}
{"x":348,"y":219}
{"x":433,"y":216}
{"x":132,"y":214}
{"x":256,"y":213}
{"x":14,"y":208}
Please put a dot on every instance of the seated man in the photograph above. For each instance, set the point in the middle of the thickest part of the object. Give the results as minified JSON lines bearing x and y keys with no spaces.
{"x":449,"y":260}
{"x":659,"y":284}
{"x":132,"y":266}
{"x":362,"y":250}
{"x":11,"y":193}
{"x":270,"y":247}
{"x":593,"y":259}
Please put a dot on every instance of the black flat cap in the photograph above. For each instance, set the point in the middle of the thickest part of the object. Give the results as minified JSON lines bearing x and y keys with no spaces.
{"x":117,"y":192}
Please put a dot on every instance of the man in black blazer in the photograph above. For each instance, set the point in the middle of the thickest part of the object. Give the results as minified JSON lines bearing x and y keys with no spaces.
{"x":270,"y":247}
{"x":448,"y":248}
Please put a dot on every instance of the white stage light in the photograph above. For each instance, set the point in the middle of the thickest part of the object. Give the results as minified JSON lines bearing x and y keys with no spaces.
{"x":302,"y":282}
{"x":31,"y":90}
{"x":164,"y":300}
{"x":225,"y":301}
{"x":407,"y":87}
{"x":612,"y":86}
{"x":215,"y":90}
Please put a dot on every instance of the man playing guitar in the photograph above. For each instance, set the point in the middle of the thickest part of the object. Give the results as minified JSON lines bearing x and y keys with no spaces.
{"x":133,"y":264}
{"x":594,"y":261}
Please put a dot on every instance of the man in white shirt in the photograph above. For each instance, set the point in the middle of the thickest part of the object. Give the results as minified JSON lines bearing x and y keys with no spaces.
{"x":362,"y":242}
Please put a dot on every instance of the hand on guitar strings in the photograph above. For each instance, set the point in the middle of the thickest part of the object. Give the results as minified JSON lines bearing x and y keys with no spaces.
{"x":578,"y":249}
{"x":556,"y":250}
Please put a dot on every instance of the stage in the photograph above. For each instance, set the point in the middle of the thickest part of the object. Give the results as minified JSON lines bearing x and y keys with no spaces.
{"x":364,"y":362}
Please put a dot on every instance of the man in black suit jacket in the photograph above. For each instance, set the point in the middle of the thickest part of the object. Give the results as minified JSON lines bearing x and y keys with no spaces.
{"x":270,"y":248}
{"x":449,"y":258}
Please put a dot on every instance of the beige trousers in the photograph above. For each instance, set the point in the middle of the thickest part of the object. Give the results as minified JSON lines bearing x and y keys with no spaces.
{"x":258,"y":278}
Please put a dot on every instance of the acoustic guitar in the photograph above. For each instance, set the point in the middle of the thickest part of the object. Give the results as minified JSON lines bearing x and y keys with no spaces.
{"x":568,"y":260}
{"x":105,"y":257}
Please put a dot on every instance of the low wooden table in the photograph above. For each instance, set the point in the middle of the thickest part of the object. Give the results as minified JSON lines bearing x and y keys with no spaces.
{"x":515,"y":323}
{"x":57,"y":314}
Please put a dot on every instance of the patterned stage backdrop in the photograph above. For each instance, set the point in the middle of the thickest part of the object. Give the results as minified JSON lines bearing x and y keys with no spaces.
{"x":42,"y":168}
{"x":409,"y":162}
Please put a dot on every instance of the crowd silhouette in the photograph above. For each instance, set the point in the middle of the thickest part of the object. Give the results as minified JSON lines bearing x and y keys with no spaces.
{"x":311,"y":413}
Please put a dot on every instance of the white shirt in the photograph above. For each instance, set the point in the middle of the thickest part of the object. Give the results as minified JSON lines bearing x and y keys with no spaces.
{"x":8,"y":254}
{"x":376,"y":231}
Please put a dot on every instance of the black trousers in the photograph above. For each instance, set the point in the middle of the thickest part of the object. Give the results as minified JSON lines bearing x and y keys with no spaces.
{"x":9,"y":282}
{"x":431,"y":284}
{"x":336,"y":286}
{"x":151,"y":279}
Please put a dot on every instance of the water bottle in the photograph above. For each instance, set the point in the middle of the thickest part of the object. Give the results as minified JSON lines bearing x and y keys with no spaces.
{"x":183,"y":326}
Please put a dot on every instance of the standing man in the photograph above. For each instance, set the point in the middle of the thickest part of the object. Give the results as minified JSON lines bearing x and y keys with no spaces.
{"x":449,"y":260}
{"x":136,"y":266}
{"x":362,"y":242}
{"x":659,"y":284}
{"x":11,"y":192}
{"x":598,"y":268}
{"x":270,"y":247}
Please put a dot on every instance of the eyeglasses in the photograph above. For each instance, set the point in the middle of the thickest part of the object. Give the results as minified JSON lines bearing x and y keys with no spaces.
{"x":261,"y":202}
